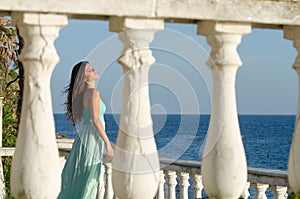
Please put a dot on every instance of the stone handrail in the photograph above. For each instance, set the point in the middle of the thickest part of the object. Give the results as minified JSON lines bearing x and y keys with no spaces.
{"x":179,"y":172}
{"x":255,"y":175}
{"x":258,"y":178}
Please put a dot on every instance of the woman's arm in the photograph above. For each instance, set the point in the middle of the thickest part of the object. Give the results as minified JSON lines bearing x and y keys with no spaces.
{"x":95,"y":114}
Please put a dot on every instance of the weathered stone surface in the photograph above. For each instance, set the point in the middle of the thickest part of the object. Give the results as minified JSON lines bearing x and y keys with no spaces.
{"x":223,"y":144}
{"x":135,"y":159}
{"x":266,"y":12}
{"x":88,"y":7}
{"x":118,"y":24}
{"x":292,"y":33}
{"x":35,"y":171}
{"x":261,"y":12}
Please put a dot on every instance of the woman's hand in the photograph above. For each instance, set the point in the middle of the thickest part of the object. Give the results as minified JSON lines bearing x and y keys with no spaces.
{"x":109,"y":150}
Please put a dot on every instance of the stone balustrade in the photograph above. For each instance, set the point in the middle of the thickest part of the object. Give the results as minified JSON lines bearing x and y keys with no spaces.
{"x":182,"y":179}
{"x":224,"y":170}
{"x":178,"y":178}
{"x":180,"y":172}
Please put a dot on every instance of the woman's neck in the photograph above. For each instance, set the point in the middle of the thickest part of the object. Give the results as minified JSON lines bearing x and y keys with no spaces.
{"x":90,"y":84}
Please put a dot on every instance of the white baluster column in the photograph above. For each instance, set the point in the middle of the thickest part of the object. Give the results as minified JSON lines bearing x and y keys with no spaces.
{"x":260,"y":190}
{"x":160,"y":192}
{"x":184,"y":184}
{"x":109,"y":193}
{"x":171,"y":183}
{"x":197,"y":186}
{"x":35,"y":171}
{"x":135,"y":164}
{"x":279,"y":192}
{"x":293,"y":33}
{"x":245,"y":194}
{"x":101,"y":185}
{"x":224,"y":168}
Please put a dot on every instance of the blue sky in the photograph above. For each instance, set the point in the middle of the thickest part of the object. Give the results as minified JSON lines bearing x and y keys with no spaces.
{"x":179,"y":80}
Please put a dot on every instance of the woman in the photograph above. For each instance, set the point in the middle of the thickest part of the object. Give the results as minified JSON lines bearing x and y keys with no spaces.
{"x":80,"y":176}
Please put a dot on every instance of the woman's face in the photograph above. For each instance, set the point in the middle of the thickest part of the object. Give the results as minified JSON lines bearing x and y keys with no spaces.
{"x":90,"y":73}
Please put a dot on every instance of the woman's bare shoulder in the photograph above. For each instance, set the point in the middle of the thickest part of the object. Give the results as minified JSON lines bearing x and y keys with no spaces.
{"x":96,"y":95}
{"x":91,"y":94}
{"x":92,"y":91}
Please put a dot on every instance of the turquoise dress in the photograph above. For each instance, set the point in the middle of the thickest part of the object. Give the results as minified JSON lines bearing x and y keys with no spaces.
{"x":80,"y":176}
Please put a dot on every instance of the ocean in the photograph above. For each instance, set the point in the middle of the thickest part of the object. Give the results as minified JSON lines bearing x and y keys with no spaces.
{"x":266,"y":138}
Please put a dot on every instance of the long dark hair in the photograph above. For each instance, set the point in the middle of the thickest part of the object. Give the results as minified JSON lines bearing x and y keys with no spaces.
{"x":74,"y":111}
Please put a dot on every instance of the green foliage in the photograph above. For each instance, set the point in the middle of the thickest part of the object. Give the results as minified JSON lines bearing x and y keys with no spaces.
{"x":10,"y":46}
{"x":10,"y":124}
{"x":294,"y":196}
